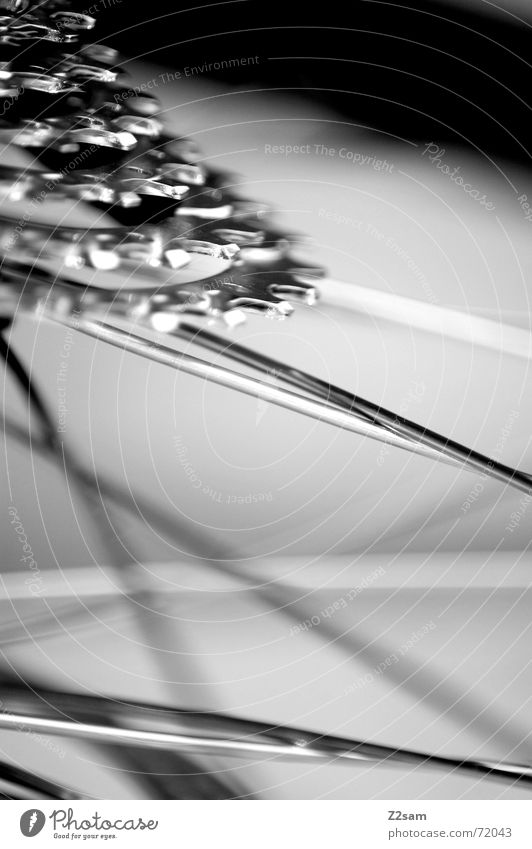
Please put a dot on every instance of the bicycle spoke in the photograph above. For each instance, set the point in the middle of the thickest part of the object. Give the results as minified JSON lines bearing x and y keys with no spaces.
{"x":190,"y":732}
{"x":318,"y":410}
{"x":373,"y":413}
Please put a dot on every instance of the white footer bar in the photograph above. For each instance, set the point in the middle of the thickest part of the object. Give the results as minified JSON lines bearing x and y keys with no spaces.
{"x":268,"y":825}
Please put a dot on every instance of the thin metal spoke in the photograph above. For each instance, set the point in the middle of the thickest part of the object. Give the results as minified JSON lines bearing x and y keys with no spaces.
{"x":373,"y":413}
{"x":190,"y":732}
{"x":315,"y":409}
{"x":156,"y":633}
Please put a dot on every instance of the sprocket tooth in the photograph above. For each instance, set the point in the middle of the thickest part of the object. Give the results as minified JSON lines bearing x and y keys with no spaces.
{"x":191,"y":175}
{"x":277,"y":308}
{"x":246,"y":235}
{"x":220,"y":251}
{"x":243,"y":238}
{"x":292,"y":289}
{"x":152,"y":187}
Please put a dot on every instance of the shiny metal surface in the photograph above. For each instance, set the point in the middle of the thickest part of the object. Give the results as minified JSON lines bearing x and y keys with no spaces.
{"x":195,"y":733}
{"x":170,"y":209}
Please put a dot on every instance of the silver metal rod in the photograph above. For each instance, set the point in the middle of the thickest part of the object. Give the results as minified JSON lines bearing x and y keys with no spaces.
{"x":253,"y":739}
{"x":318,"y":410}
{"x":373,"y":413}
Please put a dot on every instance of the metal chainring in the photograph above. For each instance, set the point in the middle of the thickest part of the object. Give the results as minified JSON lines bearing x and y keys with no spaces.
{"x":98,"y":141}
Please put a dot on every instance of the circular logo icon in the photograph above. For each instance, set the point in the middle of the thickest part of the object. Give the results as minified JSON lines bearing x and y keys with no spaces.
{"x":32,"y":822}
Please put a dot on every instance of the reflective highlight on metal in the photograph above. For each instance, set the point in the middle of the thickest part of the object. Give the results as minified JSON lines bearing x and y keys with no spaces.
{"x":192,"y":732}
{"x":102,"y":146}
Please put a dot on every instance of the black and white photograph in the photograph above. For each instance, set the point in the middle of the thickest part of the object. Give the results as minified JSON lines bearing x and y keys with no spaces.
{"x":266,"y":360}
